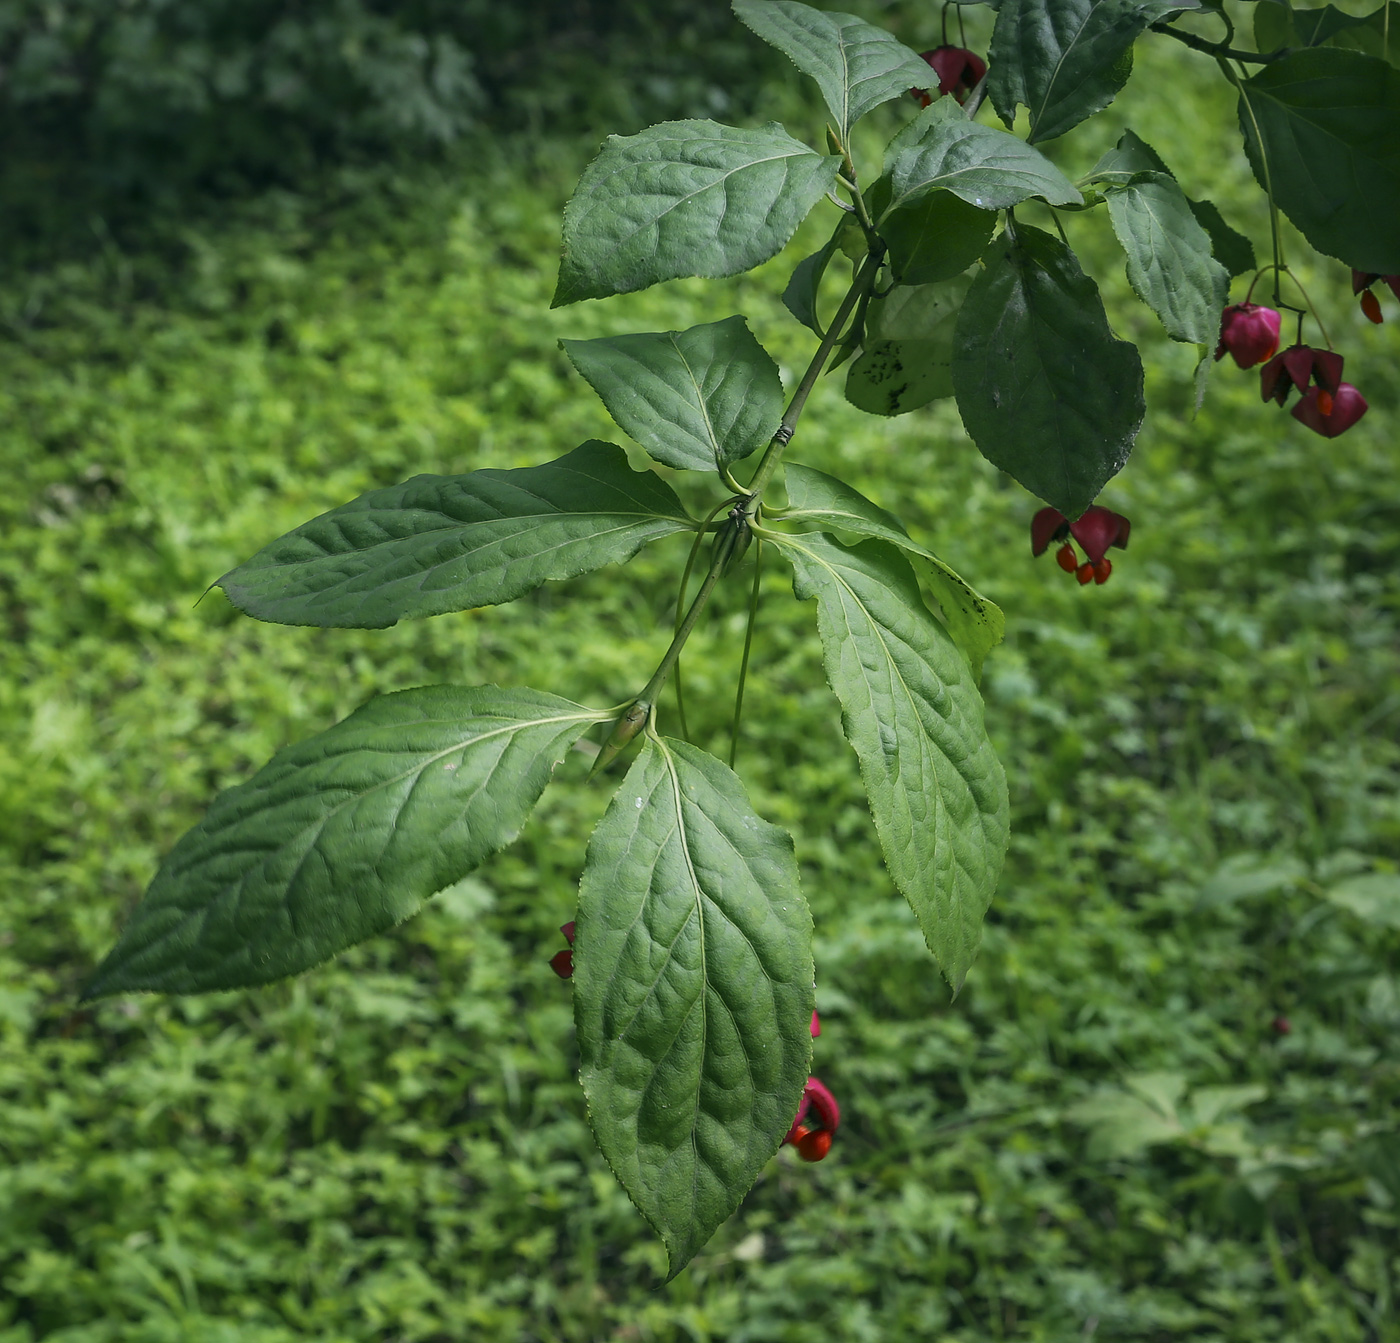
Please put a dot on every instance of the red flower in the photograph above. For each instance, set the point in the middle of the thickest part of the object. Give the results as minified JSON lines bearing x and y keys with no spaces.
{"x":959,"y":71}
{"x":1296,"y":367}
{"x":1096,"y":530}
{"x":1348,"y":406}
{"x":1249,"y":333}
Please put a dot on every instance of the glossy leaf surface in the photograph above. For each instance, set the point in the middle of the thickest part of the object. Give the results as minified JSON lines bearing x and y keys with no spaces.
{"x":856,"y":65}
{"x":1044,"y":388}
{"x":1064,"y":60}
{"x":911,"y":711}
{"x":693,"y":991}
{"x":685,"y":198}
{"x":1328,"y":122}
{"x":342,"y":836}
{"x":823,"y":502}
{"x":696,"y":399}
{"x":450,"y":543}
{"x":988,"y":168}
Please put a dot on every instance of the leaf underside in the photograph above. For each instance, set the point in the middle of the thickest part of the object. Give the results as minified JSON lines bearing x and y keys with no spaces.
{"x":342,"y":836}
{"x":693,"y":991}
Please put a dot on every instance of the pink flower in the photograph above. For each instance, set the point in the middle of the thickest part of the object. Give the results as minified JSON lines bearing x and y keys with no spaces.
{"x":1249,"y":333}
{"x":1348,"y":406}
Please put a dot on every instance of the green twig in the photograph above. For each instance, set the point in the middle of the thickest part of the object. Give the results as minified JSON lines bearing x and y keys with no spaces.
{"x":1221,"y":50}
{"x":744,"y":661}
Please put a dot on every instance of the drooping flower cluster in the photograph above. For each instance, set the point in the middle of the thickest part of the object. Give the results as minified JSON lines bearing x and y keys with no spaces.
{"x":959,"y":71}
{"x":1326,"y":404}
{"x":1096,"y":529}
{"x":813,"y":1139}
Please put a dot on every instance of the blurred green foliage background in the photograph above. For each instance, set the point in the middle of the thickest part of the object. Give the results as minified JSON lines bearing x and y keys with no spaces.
{"x":1106,"y":1135}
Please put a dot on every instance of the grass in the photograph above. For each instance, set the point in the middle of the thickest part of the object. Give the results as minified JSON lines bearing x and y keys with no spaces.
{"x":1105,"y":1135}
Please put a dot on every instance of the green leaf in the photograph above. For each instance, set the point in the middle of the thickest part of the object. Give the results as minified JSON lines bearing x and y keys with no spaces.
{"x":342,"y":836}
{"x":911,"y":711}
{"x":800,"y":296}
{"x":976,"y":623}
{"x":696,"y":399}
{"x":986,"y":167}
{"x":856,"y":65}
{"x":450,"y":543}
{"x":686,"y":198}
{"x":1328,"y":124}
{"x":907,"y":348}
{"x":1170,"y":265}
{"x":1065,"y":59}
{"x":1228,"y":245}
{"x":1279,"y":25}
{"x":1046,"y":391}
{"x":936,"y":238}
{"x":1132,"y":156}
{"x":693,"y":991}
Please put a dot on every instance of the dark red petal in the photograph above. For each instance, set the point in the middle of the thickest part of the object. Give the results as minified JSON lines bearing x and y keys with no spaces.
{"x":1348,"y":406}
{"x":1362,"y":279}
{"x":1043,"y":528}
{"x":1124,"y":527}
{"x":1371,"y":306}
{"x":1096,"y":531}
{"x":823,"y":1102}
{"x":1394,"y":282}
{"x":1274,"y":382}
{"x":562,"y":963}
{"x":816,"y":1025}
{"x":1298,"y":360}
{"x":568,"y":930}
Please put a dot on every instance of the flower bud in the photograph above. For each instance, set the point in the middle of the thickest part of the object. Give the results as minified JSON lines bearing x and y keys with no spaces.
{"x":1249,"y":333}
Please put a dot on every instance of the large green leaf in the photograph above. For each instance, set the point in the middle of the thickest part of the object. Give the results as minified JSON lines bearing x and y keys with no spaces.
{"x":856,"y":65}
{"x":693,"y":991}
{"x":450,"y":543}
{"x":1046,"y":391}
{"x":1328,"y":124}
{"x":1170,"y":265}
{"x":912,"y":713}
{"x":342,"y":836}
{"x":976,"y":623}
{"x":907,"y":349}
{"x":1065,"y":59}
{"x":986,"y":167}
{"x":696,"y":399}
{"x":686,"y":198}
